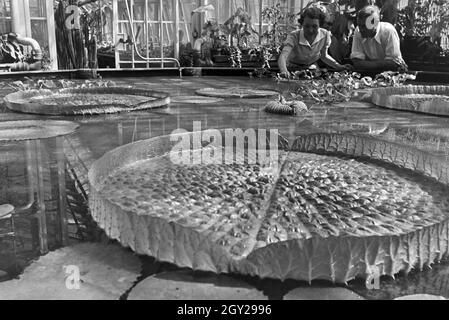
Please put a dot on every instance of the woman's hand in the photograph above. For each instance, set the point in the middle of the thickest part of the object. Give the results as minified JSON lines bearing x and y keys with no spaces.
{"x":285,"y":75}
{"x":349,"y":67}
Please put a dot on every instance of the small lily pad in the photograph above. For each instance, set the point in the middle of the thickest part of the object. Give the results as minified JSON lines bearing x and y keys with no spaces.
{"x":195,"y":100}
{"x":236,"y":93}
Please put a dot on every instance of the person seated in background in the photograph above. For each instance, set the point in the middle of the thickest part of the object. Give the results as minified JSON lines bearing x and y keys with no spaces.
{"x":305,"y":47}
{"x":376,"y":44}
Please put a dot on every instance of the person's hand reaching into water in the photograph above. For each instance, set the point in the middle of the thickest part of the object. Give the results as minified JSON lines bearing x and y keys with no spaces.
{"x":285,"y":75}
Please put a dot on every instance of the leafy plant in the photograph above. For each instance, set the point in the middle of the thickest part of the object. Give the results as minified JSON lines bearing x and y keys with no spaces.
{"x":236,"y":57}
{"x":239,"y":26}
{"x":425,"y":17}
{"x":11,"y":51}
{"x":279,"y":25}
{"x":46,"y":60}
{"x":212,"y":30}
{"x":328,"y":88}
{"x":93,"y":17}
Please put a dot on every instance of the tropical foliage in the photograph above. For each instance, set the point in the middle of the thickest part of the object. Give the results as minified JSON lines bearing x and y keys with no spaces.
{"x":333,"y":87}
{"x":239,"y":26}
{"x":425,"y":18}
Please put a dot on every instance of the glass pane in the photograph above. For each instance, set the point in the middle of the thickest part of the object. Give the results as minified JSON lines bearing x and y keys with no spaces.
{"x":185,"y":9}
{"x":185,"y":17}
{"x":5,"y":8}
{"x":153,"y":10}
{"x":223,"y":11}
{"x":139,"y":10}
{"x":39,"y":32}
{"x":5,"y":26}
{"x":184,"y":33}
{"x":168,"y":14}
{"x":168,"y":31}
{"x":37,"y":8}
{"x":122,"y":10}
{"x":139,"y":33}
{"x":153,"y":35}
{"x":107,"y":34}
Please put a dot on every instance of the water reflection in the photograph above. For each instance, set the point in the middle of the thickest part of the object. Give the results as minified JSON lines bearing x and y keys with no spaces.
{"x":33,"y":172}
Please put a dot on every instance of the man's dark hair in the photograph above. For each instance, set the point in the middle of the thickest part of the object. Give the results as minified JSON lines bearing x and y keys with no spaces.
{"x":366,"y":12}
{"x":360,"y":4}
{"x":313,"y":13}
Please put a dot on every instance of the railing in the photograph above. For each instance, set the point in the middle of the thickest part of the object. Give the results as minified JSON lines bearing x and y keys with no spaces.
{"x":136,"y":56}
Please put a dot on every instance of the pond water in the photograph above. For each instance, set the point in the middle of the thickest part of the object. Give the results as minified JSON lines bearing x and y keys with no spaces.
{"x":102,"y":133}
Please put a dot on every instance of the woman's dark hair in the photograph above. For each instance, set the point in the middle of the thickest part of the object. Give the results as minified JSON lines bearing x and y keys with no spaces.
{"x":313,"y":13}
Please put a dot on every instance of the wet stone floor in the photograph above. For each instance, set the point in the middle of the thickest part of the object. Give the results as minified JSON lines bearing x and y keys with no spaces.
{"x":142,"y":277}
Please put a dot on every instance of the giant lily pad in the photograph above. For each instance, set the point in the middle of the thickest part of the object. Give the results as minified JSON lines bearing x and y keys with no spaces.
{"x":423,"y":99}
{"x":307,"y":214}
{"x":81,"y":101}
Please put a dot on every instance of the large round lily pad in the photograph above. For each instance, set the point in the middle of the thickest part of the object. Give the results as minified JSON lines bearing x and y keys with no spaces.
{"x":423,"y":99}
{"x":81,"y":101}
{"x":35,"y":129}
{"x":302,"y":216}
{"x":236,"y":93}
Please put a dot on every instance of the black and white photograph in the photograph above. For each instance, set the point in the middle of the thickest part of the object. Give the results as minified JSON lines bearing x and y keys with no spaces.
{"x":224,"y":155}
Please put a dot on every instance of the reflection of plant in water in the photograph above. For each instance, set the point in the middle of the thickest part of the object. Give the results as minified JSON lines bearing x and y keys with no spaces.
{"x":421,"y":137}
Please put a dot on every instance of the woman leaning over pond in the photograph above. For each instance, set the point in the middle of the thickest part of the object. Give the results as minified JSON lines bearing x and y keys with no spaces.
{"x":306,"y":47}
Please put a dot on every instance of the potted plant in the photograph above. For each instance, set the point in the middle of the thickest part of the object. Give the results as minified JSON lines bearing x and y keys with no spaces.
{"x":280,"y":24}
{"x":421,"y":25}
{"x":218,"y":45}
{"x":239,"y":29}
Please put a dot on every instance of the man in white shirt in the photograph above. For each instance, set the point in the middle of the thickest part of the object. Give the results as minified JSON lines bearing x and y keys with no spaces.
{"x":305,"y":47}
{"x":376,"y":45}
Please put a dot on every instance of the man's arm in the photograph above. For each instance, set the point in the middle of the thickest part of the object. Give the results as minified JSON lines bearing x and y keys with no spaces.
{"x":393,"y":49}
{"x":360,"y":64}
